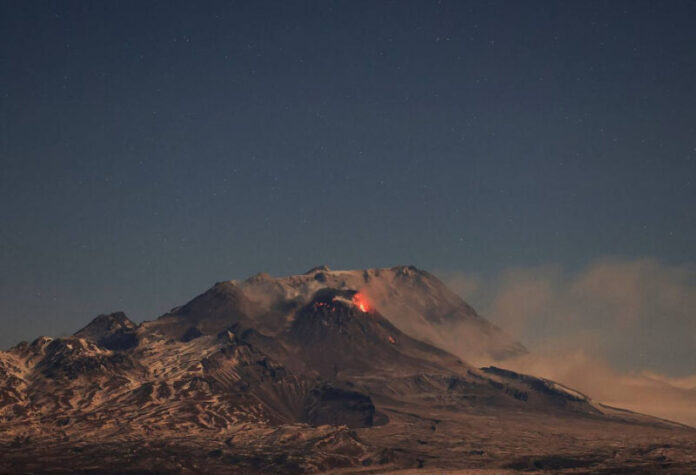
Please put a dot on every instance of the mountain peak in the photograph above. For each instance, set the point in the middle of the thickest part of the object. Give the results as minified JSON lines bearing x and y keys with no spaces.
{"x":106,"y":324}
{"x":322,"y":268}
{"x":407,"y":270}
{"x":260,"y":277}
{"x":415,"y":301}
{"x":114,"y":331}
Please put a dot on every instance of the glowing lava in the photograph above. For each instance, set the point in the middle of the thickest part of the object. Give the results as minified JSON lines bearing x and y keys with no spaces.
{"x":361,"y":302}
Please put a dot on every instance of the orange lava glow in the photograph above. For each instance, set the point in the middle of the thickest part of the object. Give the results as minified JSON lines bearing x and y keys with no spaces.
{"x":361,"y":302}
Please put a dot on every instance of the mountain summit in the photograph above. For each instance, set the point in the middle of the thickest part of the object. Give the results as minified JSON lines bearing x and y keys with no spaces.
{"x":414,"y":300}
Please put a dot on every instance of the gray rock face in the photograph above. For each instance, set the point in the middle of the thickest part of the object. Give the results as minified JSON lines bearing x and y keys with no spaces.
{"x":335,"y":406}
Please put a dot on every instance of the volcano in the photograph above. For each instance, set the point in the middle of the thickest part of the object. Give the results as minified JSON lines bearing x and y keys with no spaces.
{"x":365,"y":370}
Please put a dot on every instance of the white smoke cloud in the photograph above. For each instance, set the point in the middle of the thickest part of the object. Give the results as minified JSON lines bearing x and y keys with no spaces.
{"x":622,"y":331}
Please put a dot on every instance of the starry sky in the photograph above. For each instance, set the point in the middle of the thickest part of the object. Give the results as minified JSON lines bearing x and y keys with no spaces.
{"x":150,"y":149}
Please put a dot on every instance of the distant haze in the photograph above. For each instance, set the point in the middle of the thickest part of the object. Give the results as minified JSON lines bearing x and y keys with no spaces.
{"x":621,"y":330}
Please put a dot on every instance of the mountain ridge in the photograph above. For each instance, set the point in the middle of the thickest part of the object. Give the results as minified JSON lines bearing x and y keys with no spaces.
{"x":414,"y":300}
{"x":298,"y":374}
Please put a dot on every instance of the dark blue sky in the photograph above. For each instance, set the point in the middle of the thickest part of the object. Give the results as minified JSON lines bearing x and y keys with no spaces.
{"x":149,"y":149}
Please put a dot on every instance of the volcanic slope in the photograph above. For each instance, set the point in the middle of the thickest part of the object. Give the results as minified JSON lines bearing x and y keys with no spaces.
{"x":412,"y":299}
{"x":311,"y":377}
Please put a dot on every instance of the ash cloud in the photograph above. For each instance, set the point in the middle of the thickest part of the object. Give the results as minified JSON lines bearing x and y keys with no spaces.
{"x":621,"y":330}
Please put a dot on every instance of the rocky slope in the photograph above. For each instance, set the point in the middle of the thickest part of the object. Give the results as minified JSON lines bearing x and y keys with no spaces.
{"x":300,"y":374}
{"x":414,"y":300}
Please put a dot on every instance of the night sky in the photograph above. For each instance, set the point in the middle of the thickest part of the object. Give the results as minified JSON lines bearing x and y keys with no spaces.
{"x":149,"y":149}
